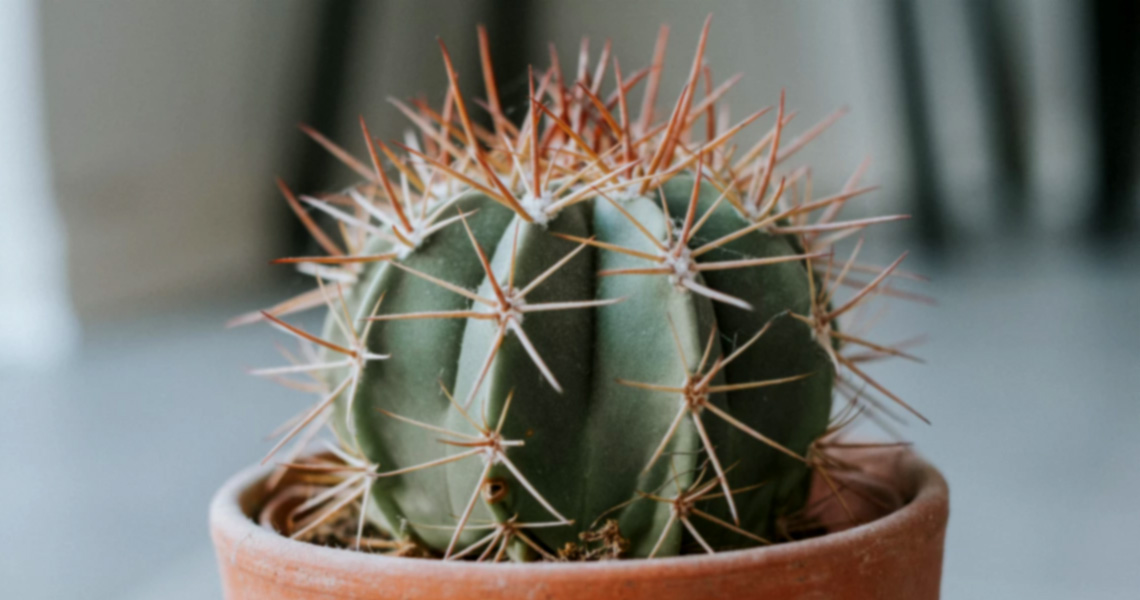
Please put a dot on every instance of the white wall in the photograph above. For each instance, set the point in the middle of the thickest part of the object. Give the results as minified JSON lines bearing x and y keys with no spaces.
{"x":166,"y":124}
{"x":168,"y":120}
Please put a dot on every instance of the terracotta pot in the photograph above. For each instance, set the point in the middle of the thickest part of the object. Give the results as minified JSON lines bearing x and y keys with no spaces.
{"x":894,"y":557}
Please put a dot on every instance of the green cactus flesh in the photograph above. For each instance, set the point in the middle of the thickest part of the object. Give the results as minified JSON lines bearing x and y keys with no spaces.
{"x":583,"y":323}
{"x":587,"y":450}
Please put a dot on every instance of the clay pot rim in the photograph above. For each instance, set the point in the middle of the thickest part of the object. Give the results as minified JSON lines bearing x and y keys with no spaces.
{"x":922,"y":484}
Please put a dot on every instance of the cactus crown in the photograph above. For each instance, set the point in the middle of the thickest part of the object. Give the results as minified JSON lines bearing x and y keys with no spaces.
{"x":585,"y":334}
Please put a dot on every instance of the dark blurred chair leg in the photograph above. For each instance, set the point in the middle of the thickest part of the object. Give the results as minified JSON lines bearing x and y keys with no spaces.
{"x":1115,"y":28}
{"x":336,"y":24}
{"x":1003,"y":106}
{"x":928,"y":209}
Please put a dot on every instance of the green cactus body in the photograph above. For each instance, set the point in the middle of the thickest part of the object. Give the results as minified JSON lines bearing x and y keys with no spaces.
{"x":586,"y":449}
{"x":582,"y":320}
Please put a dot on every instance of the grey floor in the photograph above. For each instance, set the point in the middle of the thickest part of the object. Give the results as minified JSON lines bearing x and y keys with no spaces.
{"x":1032,"y":385}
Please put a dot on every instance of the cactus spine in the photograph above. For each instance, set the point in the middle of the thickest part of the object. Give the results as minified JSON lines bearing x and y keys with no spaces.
{"x":538,"y":329}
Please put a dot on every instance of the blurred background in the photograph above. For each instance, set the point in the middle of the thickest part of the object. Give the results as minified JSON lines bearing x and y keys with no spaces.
{"x":141,"y":144}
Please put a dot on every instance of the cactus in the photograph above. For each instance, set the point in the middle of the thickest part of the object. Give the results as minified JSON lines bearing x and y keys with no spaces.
{"x":579,"y":323}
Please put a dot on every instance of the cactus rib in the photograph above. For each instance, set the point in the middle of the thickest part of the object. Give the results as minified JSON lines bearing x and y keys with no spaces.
{"x":584,"y":326}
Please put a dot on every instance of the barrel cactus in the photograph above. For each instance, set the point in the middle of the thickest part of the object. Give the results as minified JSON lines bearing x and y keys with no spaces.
{"x":581,"y":326}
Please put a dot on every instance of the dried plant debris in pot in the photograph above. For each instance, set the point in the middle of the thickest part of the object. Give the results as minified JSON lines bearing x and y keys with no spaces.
{"x":605,"y":331}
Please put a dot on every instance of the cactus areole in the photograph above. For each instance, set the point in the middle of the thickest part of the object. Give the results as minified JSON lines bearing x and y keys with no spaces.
{"x":583,"y":325}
